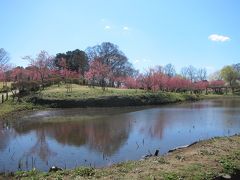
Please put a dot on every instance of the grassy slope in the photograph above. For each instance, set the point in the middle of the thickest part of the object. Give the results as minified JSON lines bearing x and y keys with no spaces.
{"x":97,"y":97}
{"x":84,"y":92}
{"x":83,"y":96}
{"x":60,"y":93}
{"x":94,"y":96}
{"x":204,"y":160}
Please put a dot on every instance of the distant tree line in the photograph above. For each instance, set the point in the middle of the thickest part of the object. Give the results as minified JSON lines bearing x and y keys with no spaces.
{"x":105,"y":65}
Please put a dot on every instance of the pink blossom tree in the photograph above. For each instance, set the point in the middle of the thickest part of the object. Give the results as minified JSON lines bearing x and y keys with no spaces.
{"x":217,"y":86}
{"x":131,"y":83}
{"x":200,"y":86}
{"x":217,"y":83}
{"x":42,"y":65}
{"x":98,"y":72}
{"x":1,"y":75}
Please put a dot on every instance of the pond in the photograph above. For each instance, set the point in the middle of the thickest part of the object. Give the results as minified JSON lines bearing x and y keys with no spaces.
{"x":99,"y":137}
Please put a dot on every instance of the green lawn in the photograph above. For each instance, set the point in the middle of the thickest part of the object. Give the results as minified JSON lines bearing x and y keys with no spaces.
{"x":9,"y":107}
{"x":84,"y":92}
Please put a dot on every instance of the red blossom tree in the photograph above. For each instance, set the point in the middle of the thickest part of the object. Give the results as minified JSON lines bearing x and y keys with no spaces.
{"x":217,"y":86}
{"x":217,"y":83}
{"x":200,"y":86}
{"x":41,"y":65}
{"x":98,"y":72}
{"x":65,"y":72}
{"x":19,"y":74}
{"x":131,"y":83}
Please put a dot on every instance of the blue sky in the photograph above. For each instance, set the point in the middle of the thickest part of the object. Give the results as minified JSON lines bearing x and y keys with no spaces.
{"x":203,"y":33}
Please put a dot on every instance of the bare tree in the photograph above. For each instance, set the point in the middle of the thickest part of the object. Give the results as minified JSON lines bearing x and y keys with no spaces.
{"x":189,"y":72}
{"x":4,"y":66}
{"x":201,"y":74}
{"x":159,"y":69}
{"x":236,"y":67}
{"x":110,"y":55}
{"x":4,"y":58}
{"x":215,"y":76}
{"x":184,"y":72}
{"x":169,"y":70}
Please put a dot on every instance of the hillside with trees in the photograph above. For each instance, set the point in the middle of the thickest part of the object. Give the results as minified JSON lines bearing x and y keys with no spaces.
{"x":105,"y":66}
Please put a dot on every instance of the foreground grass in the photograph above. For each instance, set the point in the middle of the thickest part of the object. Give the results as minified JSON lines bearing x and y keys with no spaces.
{"x":204,"y":160}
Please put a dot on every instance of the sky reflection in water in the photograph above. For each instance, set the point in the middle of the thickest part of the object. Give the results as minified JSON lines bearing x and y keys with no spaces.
{"x":103,"y":136}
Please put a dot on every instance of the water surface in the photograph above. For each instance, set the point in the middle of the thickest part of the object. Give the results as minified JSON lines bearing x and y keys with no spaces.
{"x":103,"y":136}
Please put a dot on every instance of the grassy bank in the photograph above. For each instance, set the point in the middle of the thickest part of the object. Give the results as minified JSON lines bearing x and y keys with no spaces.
{"x":9,"y":107}
{"x":218,"y":96}
{"x":83,"y":96}
{"x":205,"y":160}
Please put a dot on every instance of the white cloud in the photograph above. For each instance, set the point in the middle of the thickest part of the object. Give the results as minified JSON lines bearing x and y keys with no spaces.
{"x":107,"y":27}
{"x":136,"y":61}
{"x":125,"y":28}
{"x":218,"y":38}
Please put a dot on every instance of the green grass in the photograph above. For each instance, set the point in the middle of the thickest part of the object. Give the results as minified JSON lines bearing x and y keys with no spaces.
{"x":83,"y":96}
{"x":8,"y":107}
{"x":84,"y":171}
{"x":84,"y":92}
{"x":230,"y":163}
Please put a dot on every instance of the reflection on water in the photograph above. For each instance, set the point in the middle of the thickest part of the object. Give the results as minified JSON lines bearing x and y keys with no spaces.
{"x":103,"y":136}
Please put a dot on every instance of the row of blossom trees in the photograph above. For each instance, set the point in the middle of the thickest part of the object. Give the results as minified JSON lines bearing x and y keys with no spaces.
{"x":41,"y":72}
{"x":105,"y":66}
{"x":156,"y":80}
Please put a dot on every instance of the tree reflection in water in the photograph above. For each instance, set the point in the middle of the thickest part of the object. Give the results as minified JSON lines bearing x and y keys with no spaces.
{"x":41,"y":147}
{"x":105,"y":135}
{"x":5,"y":132}
{"x":102,"y":136}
